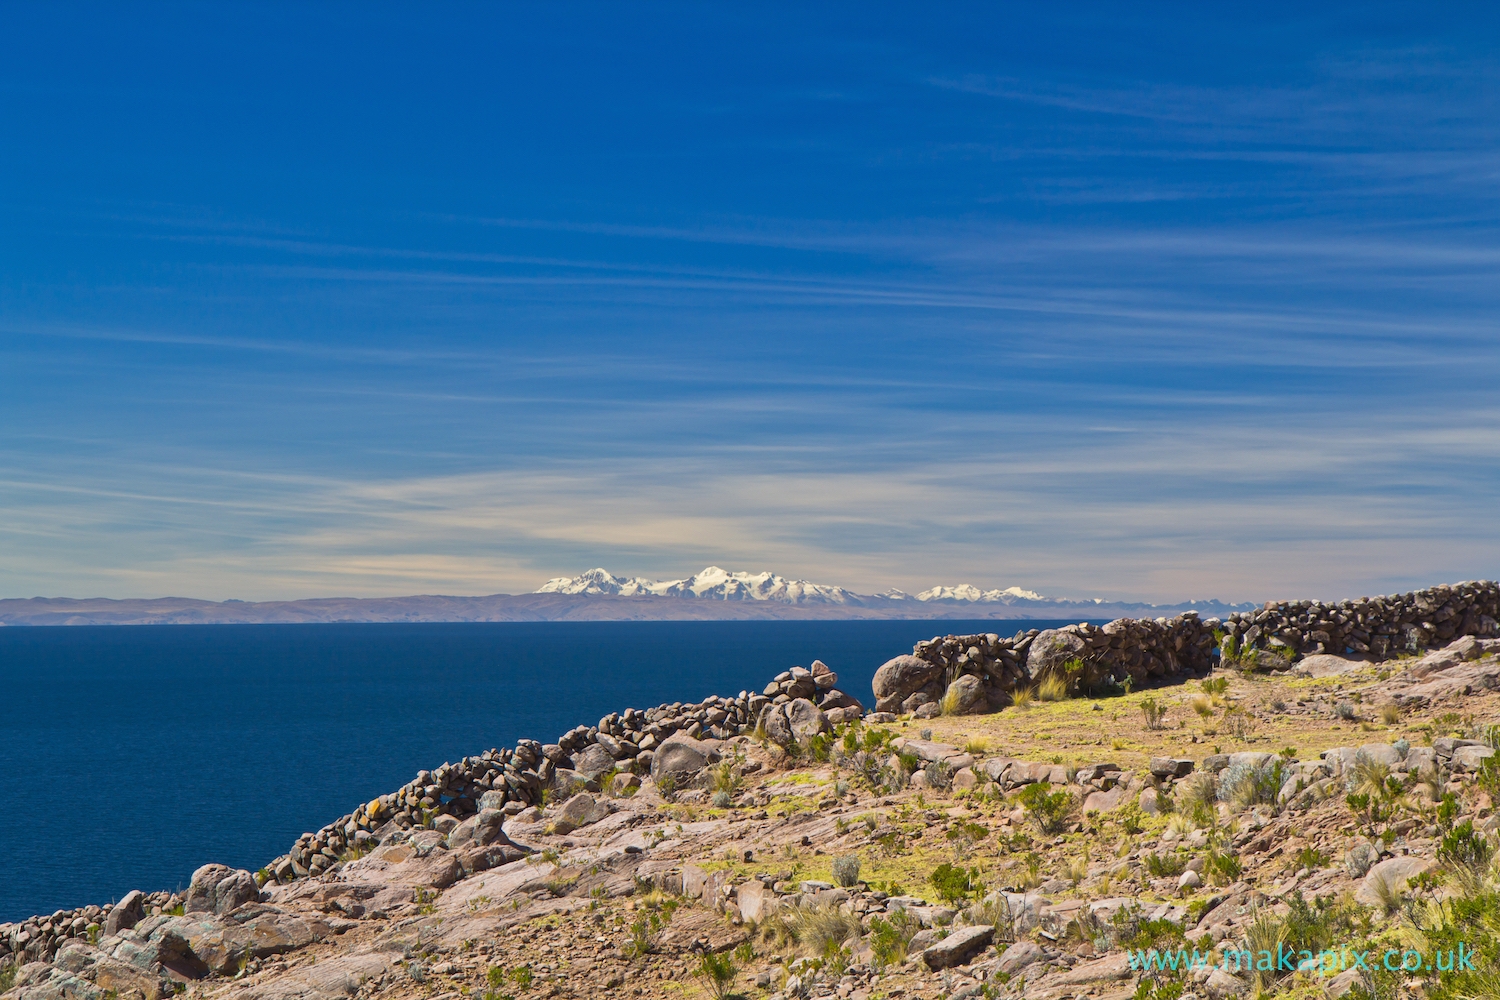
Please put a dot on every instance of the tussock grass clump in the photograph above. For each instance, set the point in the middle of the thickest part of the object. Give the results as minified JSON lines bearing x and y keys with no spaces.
{"x":1244,"y":785}
{"x":823,"y":929}
{"x":1199,"y":789}
{"x":1054,"y":687}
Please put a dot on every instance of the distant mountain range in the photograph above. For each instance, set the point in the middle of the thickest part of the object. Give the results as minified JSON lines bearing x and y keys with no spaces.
{"x":718,"y":584}
{"x":598,"y":595}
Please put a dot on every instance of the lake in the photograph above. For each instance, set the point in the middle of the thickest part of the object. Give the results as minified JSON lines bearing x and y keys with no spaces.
{"x":131,"y":755}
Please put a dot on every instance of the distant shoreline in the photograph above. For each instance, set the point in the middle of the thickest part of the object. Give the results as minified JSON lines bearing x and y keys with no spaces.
{"x":61,"y":611}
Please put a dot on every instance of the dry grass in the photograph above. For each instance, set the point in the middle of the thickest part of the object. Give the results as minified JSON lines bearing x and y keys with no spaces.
{"x":1054,"y":687}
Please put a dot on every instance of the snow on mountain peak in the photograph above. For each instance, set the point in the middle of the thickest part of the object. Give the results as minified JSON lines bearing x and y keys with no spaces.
{"x":712,"y":583}
{"x":970,"y":594}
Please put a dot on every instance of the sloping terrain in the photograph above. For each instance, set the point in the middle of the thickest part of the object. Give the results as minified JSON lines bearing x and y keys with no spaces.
{"x":1340,"y":808}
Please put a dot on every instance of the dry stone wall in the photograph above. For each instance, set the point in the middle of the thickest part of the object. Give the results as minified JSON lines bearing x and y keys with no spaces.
{"x":1377,"y":627}
{"x":1152,"y":649}
{"x":1140,"y":649}
{"x":510,"y":780}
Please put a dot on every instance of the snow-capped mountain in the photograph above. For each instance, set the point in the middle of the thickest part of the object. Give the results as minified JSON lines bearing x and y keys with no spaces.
{"x":716,"y":584}
{"x":973,"y":595}
{"x":711,"y":583}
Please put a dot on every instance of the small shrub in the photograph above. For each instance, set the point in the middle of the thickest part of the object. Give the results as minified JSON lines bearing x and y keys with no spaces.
{"x":1222,"y":866}
{"x":1049,"y":810}
{"x":1447,"y":810}
{"x":976,"y":746}
{"x":721,"y":800}
{"x":939,"y":774}
{"x":1390,"y":713}
{"x":1344,"y":710}
{"x":1155,"y":713}
{"x":954,"y":883}
{"x":1465,"y":849}
{"x":717,"y":973}
{"x":725,"y":777}
{"x":846,"y":870}
{"x":1310,"y":858}
{"x":1214,"y":686}
{"x":1165,"y":865}
{"x":1489,"y":776}
{"x":1023,"y":698}
{"x":889,"y":937}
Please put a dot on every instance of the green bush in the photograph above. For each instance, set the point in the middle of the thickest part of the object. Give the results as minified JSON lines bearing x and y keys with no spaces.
{"x":954,"y":883}
{"x":717,"y":973}
{"x":1049,"y":810}
{"x":889,"y":937}
{"x":1165,"y":865}
{"x":1465,"y":849}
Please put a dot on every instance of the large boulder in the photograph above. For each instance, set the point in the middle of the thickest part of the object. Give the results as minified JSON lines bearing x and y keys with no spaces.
{"x":839,"y":699}
{"x":1325,"y":665}
{"x":966,"y":696}
{"x":1051,"y":649}
{"x":219,"y":889}
{"x":1388,"y":879}
{"x":958,"y":947}
{"x":593,"y":762}
{"x":899,"y":678}
{"x":581,"y":810}
{"x":681,"y":757}
{"x":806,"y":720}
{"x":125,"y":914}
{"x":777,"y":726}
{"x":756,"y":901}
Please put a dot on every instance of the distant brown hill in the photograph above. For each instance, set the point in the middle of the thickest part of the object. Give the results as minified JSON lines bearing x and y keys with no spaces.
{"x":536,"y":608}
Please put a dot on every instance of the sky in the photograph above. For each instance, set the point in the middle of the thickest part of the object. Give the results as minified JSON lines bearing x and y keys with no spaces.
{"x":1150,"y":302}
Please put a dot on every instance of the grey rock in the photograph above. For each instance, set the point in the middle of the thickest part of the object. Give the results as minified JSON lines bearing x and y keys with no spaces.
{"x":1051,"y":649}
{"x":128,"y":912}
{"x":220,"y":889}
{"x":682,"y":757}
{"x":1471,"y":758}
{"x":806,"y":720}
{"x":776,"y":725}
{"x":593,"y":762}
{"x":1019,"y":955}
{"x":900,"y":677}
{"x":1214,"y":763}
{"x":966,"y":696}
{"x":823,"y":676}
{"x":1380,"y":753}
{"x":581,"y":811}
{"x":1171,"y":767}
{"x":1325,"y":665}
{"x":1389,"y":877}
{"x":838,"y":699}
{"x":958,"y":947}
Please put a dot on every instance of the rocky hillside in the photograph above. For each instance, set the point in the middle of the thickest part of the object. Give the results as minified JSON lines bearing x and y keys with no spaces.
{"x":786,"y":843}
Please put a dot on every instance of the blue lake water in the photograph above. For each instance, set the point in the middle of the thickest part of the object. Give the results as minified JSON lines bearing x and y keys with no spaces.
{"x":131,"y":755}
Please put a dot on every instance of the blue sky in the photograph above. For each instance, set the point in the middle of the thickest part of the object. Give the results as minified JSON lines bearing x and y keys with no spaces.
{"x":1100,"y":301}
